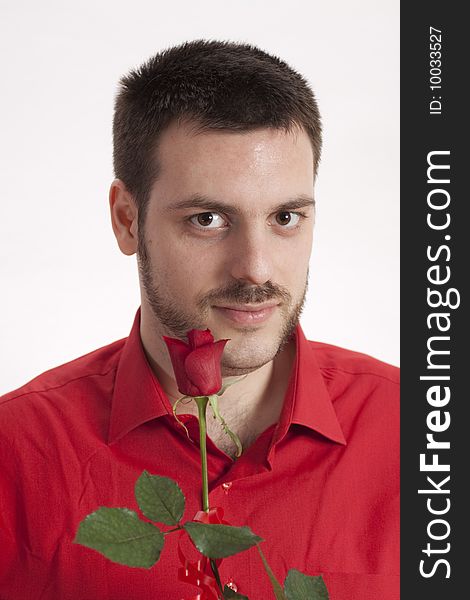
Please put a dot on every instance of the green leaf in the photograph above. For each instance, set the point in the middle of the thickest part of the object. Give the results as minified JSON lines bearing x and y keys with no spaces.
{"x":304,"y":587}
{"x":277,"y":588}
{"x":229,"y":594}
{"x":159,"y":498}
{"x":121,"y":536}
{"x":220,"y":541}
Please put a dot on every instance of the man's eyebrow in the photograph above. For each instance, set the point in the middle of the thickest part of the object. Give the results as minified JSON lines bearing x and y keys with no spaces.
{"x":198,"y":201}
{"x":301,"y":201}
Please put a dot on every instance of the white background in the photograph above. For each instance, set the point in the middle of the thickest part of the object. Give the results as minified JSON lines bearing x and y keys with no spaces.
{"x":65,"y":287}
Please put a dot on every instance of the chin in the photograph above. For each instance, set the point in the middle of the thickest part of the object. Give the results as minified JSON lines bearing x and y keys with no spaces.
{"x":248,"y":355}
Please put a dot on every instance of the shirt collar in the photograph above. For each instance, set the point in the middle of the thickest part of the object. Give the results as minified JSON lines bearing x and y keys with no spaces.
{"x":138,"y":396}
{"x":307,"y":401}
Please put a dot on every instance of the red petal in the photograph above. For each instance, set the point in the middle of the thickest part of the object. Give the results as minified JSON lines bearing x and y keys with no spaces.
{"x":203,"y":367}
{"x":199,"y":337}
{"x":179,"y":351}
{"x":176,"y":343}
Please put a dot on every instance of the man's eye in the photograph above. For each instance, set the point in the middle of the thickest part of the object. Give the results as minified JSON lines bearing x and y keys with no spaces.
{"x":208,"y":220}
{"x":288,"y":219}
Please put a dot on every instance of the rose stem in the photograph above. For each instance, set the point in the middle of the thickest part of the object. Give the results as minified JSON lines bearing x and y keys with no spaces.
{"x":201,"y":407}
{"x":201,"y":402}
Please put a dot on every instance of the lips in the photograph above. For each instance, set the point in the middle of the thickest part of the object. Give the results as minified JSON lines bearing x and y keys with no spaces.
{"x":244,"y":314}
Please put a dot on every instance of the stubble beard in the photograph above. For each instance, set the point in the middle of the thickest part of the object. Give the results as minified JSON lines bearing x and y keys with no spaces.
{"x":176,"y":323}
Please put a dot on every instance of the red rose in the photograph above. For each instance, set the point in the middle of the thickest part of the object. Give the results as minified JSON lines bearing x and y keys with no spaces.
{"x":197,"y":364}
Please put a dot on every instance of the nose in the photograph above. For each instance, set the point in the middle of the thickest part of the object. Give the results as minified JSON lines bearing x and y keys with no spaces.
{"x":251,"y":258}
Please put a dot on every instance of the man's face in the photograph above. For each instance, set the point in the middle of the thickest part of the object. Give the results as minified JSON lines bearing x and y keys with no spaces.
{"x":227,"y":239}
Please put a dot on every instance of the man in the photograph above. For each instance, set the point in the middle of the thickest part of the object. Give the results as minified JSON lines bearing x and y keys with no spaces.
{"x":216,"y":148}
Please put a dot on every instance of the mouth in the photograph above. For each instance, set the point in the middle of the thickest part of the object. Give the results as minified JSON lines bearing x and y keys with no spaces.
{"x":246,"y":314}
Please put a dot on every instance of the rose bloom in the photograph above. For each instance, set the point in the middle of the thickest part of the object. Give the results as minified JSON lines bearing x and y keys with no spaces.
{"x":196,"y":364}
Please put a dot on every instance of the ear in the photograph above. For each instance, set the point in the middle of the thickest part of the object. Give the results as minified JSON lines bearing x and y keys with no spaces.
{"x":123,"y":217}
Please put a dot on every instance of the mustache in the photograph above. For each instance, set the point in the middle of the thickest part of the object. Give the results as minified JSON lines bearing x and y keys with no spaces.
{"x":243,"y":294}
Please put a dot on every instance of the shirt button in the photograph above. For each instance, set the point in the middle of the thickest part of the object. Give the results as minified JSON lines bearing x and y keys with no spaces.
{"x":227,"y":485}
{"x":232,"y":585}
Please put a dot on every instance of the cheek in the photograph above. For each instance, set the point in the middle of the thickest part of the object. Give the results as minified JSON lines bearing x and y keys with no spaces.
{"x":295,"y":259}
{"x":186,"y":271}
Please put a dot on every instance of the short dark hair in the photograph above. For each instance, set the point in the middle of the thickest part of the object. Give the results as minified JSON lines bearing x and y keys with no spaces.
{"x":217,"y":85}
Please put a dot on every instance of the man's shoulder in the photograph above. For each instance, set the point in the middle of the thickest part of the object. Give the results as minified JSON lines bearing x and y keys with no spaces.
{"x":336,"y":361}
{"x":77,"y":372}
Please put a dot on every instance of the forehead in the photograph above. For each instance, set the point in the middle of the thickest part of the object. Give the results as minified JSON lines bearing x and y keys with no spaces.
{"x":235,"y":165}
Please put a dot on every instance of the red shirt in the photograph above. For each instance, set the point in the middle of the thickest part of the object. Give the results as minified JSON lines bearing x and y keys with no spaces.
{"x":320,"y":487}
